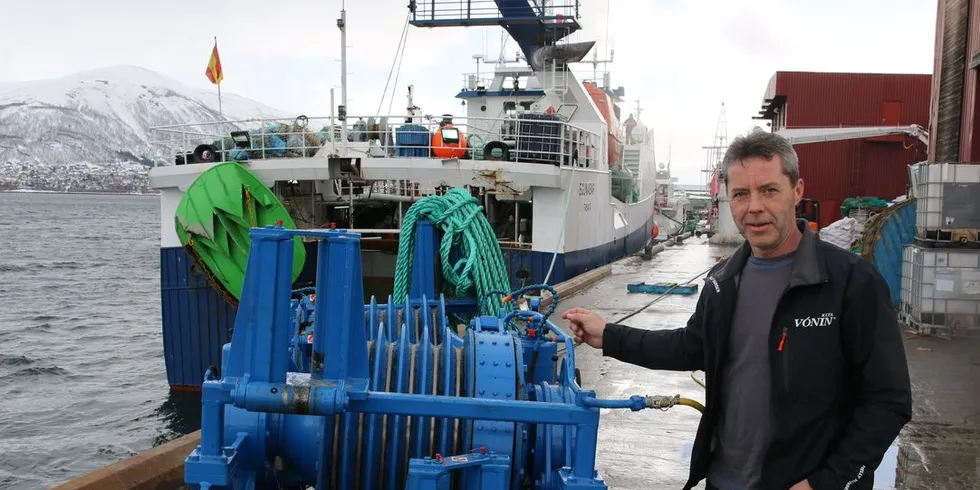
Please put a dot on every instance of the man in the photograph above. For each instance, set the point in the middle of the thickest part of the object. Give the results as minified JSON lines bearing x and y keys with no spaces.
{"x":807,"y":379}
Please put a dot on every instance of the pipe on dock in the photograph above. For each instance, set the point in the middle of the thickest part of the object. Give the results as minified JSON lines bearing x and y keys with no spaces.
{"x":677,"y":240}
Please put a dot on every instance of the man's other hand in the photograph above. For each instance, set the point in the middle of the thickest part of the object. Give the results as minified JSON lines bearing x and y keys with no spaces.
{"x":586,"y":326}
{"x":803,"y":485}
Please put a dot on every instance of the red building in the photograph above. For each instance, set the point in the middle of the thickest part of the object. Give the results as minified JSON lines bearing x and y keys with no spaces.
{"x":833,"y":171}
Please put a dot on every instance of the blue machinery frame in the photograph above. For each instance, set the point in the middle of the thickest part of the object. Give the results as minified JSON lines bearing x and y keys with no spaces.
{"x":374,"y":397}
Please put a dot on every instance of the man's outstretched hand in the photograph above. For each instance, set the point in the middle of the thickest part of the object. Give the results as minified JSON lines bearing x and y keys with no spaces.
{"x":803,"y":485}
{"x":586,"y":326}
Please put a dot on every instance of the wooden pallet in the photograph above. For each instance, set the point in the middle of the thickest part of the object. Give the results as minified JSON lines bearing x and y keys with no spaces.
{"x":950,"y":238}
{"x":955,"y":326}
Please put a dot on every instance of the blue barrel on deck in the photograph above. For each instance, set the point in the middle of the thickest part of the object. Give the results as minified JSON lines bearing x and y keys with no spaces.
{"x":412,"y":140}
{"x":264,"y":145}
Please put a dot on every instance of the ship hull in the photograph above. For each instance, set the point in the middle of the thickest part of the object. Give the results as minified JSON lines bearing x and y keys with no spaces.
{"x":197,"y":320}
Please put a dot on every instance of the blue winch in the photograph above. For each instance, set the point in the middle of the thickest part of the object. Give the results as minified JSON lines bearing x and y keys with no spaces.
{"x":325,"y":391}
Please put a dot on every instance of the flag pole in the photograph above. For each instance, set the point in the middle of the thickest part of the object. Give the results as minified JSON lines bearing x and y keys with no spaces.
{"x":220,"y":111}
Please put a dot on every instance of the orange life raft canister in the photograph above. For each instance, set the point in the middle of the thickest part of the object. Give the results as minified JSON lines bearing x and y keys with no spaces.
{"x":448,"y":141}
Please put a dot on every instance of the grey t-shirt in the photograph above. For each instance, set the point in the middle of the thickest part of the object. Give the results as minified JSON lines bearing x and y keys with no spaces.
{"x":744,"y":425}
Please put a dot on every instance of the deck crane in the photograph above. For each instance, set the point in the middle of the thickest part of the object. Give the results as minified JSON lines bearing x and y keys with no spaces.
{"x":799,"y":136}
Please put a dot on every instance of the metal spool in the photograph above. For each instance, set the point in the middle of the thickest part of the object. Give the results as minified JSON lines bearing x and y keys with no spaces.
{"x":269,"y":421}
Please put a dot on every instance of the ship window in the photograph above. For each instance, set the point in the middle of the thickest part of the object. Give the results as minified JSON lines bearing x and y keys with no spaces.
{"x":510,"y":106}
{"x":450,"y":135}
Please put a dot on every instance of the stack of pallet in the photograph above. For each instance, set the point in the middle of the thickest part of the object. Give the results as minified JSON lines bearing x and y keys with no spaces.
{"x":940,"y":292}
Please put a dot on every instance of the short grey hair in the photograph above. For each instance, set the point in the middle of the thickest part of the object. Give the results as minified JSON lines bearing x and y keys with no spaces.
{"x":762,"y":144}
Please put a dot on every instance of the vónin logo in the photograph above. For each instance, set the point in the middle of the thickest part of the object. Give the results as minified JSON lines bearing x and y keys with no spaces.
{"x":824,"y":320}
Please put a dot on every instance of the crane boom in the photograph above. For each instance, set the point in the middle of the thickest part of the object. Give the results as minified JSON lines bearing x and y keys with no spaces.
{"x":799,"y":136}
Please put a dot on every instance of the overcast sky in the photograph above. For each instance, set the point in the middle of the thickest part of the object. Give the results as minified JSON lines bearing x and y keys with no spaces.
{"x":681,"y":58}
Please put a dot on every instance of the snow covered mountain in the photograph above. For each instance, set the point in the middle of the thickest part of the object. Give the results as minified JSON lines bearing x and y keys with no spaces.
{"x":91,"y":130}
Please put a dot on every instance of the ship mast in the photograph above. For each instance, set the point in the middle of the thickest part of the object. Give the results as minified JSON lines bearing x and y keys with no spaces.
{"x":342,"y":112}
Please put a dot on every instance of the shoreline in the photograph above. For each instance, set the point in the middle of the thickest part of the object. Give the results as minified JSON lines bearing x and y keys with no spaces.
{"x":94,"y":193}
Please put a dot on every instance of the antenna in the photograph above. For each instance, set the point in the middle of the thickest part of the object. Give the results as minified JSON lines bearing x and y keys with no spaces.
{"x":716,"y":152}
{"x":605,"y":44}
{"x":478,"y":58}
{"x":503,"y":45}
{"x":342,"y":112}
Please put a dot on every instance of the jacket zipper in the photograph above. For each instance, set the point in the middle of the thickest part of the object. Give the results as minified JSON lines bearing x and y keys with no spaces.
{"x":782,"y":343}
{"x":860,"y":474}
{"x":784,"y":359}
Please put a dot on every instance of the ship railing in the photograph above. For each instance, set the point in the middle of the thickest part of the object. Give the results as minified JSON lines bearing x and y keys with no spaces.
{"x":379,"y":233}
{"x":517,"y":137}
{"x":379,"y":189}
{"x":407,"y":190}
{"x":243,"y":139}
{"x":474,"y":81}
{"x":549,"y":78}
{"x":431,"y":13}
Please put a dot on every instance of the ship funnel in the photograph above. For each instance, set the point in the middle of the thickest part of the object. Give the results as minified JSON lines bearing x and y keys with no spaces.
{"x":563,"y":54}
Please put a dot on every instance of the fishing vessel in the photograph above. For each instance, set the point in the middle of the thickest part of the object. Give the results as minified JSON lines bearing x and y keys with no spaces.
{"x":563,"y":177}
{"x":671,"y":207}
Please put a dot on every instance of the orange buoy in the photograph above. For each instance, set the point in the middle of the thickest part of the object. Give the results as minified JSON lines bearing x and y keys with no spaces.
{"x":655,"y":231}
{"x":448,"y":141}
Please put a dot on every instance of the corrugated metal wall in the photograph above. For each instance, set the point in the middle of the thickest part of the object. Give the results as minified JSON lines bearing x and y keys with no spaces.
{"x":837,"y":170}
{"x":852,"y":99}
{"x":822,"y":170}
{"x":834,"y":171}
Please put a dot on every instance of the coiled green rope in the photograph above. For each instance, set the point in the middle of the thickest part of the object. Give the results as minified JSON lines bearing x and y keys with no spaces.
{"x":481,"y":270}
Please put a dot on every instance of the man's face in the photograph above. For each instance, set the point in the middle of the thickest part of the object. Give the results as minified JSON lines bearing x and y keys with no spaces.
{"x":763,"y":201}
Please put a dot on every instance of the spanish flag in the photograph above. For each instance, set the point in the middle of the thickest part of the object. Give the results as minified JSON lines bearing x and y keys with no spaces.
{"x":213,"y":71}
